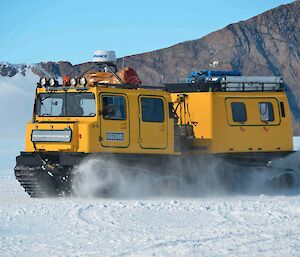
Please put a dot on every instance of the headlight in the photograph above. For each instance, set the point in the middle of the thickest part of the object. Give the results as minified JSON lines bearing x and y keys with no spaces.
{"x":51,"y":136}
{"x":43,"y":81}
{"x":73,"y":82}
{"x":53,"y":82}
{"x":82,"y":81}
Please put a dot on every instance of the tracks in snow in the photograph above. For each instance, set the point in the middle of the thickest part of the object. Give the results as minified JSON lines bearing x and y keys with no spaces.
{"x":233,"y":226}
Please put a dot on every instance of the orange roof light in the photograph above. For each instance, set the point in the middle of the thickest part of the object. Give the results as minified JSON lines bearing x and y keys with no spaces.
{"x":66,"y":81}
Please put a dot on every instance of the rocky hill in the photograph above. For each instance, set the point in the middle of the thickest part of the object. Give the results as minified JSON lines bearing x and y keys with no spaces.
{"x":267,"y":44}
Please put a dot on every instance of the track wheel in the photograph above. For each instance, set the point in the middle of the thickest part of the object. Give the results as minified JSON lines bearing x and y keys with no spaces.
{"x":289,"y":179}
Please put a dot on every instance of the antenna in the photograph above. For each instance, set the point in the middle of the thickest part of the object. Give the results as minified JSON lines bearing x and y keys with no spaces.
{"x":103,"y":56}
{"x":108,"y":60}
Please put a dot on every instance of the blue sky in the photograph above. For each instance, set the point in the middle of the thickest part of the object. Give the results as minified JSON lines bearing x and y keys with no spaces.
{"x":68,"y":30}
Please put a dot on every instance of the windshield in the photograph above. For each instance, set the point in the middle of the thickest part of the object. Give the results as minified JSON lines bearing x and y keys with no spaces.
{"x":66,"y":104}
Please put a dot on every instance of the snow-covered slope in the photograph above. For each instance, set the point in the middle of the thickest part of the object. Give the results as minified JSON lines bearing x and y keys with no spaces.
{"x":16,"y":102}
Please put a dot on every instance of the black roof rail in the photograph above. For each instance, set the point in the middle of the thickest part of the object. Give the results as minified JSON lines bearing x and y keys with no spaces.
{"x":192,"y":87}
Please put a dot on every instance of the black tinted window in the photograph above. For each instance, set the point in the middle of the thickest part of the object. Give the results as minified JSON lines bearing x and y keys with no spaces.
{"x":266,"y":111}
{"x":152,"y":109}
{"x":113,"y":107}
{"x":282,"y":109}
{"x":239,"y":112}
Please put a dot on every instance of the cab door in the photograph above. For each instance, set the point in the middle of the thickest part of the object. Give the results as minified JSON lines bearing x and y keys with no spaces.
{"x":114,"y":121}
{"x":153,"y":129}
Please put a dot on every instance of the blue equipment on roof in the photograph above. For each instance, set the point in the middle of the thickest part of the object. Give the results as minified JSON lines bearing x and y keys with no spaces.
{"x":207,"y":75}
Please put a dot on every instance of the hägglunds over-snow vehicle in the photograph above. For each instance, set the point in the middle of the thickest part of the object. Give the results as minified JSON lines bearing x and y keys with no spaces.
{"x":241,"y":122}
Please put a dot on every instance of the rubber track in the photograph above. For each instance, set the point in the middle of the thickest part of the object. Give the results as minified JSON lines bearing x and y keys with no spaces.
{"x":31,"y":180}
{"x":271,"y":176}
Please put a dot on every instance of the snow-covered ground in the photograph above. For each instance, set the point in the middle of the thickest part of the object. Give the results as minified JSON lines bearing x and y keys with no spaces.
{"x":236,"y":226}
{"x":220,"y":226}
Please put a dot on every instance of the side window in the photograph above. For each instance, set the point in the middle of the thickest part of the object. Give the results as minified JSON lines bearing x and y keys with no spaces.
{"x":238,"y":112}
{"x":113,"y":107}
{"x":266,"y":111}
{"x":152,"y":109}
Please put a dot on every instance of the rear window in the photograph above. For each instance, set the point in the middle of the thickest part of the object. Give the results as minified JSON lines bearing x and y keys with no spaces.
{"x":238,"y":112}
{"x":266,"y":111}
{"x":152,"y":109}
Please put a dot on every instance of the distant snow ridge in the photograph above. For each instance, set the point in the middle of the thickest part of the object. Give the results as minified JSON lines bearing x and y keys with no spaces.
{"x":10,"y":70}
{"x":45,"y":73}
{"x":16,"y":98}
{"x":17,"y":89}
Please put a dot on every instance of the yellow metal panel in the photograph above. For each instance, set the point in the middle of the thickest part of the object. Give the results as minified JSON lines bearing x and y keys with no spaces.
{"x":253,"y":135}
{"x":199,"y":113}
{"x":200,"y":109}
{"x":216,"y":132}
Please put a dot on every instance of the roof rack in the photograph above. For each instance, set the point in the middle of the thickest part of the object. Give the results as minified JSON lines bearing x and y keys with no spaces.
{"x":81,"y":88}
{"x":252,"y":83}
{"x":230,"y":84}
{"x":220,"y":84}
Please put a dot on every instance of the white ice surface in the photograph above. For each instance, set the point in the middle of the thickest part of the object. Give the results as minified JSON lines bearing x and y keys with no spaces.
{"x":220,"y":226}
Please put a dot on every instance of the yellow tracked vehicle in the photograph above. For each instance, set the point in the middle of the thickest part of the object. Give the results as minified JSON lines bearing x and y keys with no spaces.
{"x":243,"y":123}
